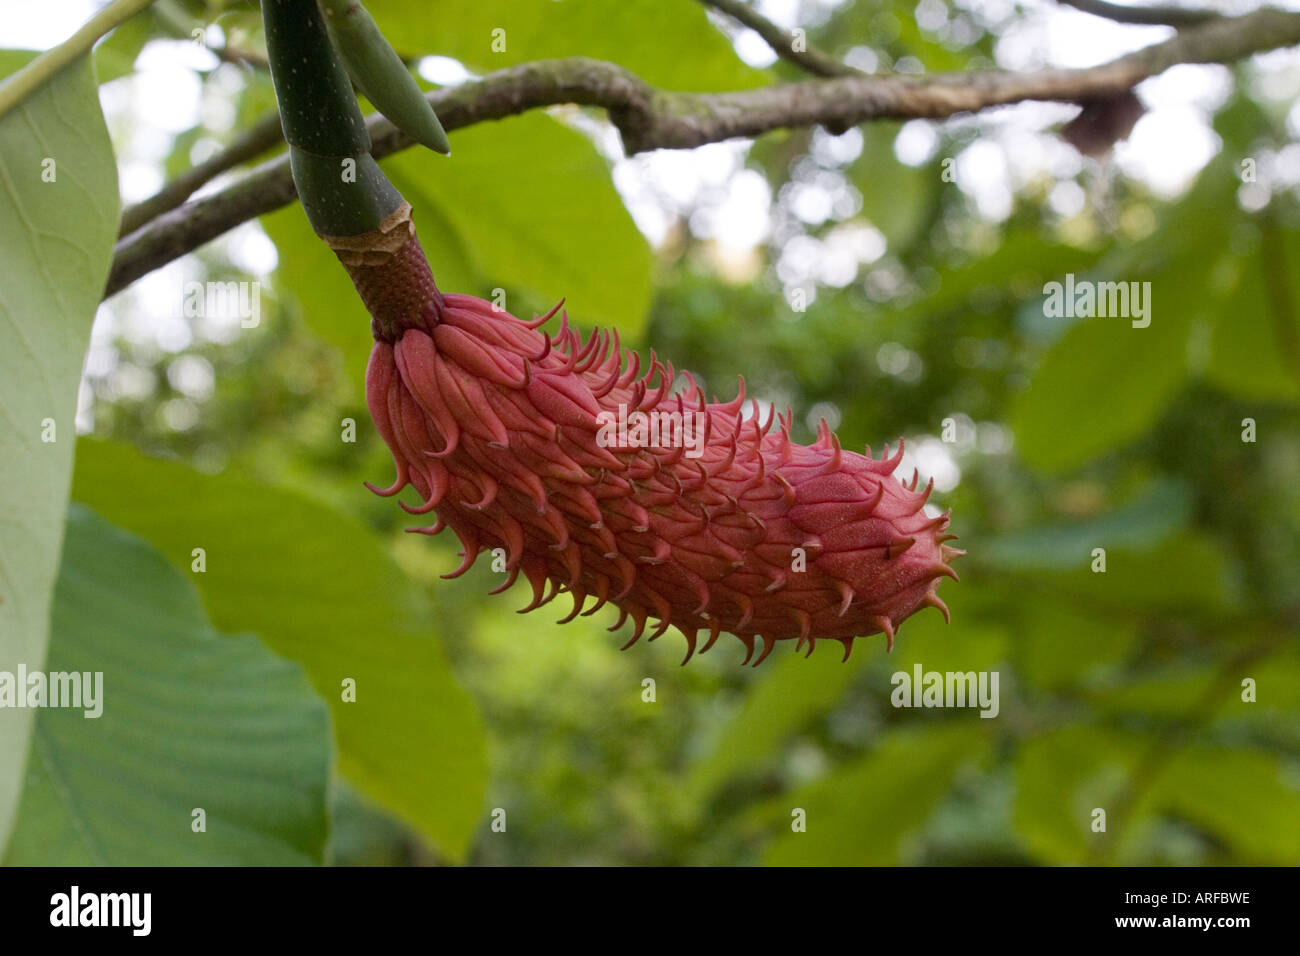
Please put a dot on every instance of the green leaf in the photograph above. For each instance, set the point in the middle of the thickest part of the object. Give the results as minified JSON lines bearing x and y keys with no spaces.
{"x":1184,"y":574}
{"x":1171,"y":691}
{"x":187,"y":718}
{"x":1160,"y":511}
{"x":115,"y":55}
{"x":1061,"y":777}
{"x":12,"y":60}
{"x":1240,"y":796}
{"x":633,"y":33}
{"x":1105,"y":383}
{"x":1058,"y":647}
{"x":1018,"y":266}
{"x":1102,"y":385}
{"x":780,"y":704}
{"x":1168,"y":694}
{"x":967,"y":644}
{"x":860,"y":814}
{"x":1247,"y":356}
{"x":537,"y":212}
{"x":444,"y":246}
{"x":55,"y":245}
{"x":320,"y":590}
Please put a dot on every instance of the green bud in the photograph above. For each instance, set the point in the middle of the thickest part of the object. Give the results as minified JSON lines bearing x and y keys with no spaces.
{"x":380,"y":73}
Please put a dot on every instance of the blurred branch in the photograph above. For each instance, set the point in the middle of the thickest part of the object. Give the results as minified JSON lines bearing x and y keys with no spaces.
{"x":782,"y":41}
{"x":242,"y":58}
{"x":648,"y":118}
{"x":1148,"y":16}
{"x":257,"y":139}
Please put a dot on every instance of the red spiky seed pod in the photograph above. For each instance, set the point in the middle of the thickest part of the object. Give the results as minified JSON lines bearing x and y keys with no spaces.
{"x":506,"y":434}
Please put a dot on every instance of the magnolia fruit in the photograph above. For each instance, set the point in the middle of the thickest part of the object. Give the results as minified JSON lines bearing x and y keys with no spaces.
{"x":596,"y":480}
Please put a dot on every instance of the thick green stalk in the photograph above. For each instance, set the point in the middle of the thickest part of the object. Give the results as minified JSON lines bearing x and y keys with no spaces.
{"x":351,"y":204}
{"x":341,"y":187}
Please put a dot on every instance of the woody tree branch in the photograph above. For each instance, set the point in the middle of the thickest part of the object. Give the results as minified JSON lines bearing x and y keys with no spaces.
{"x":1143,"y":16}
{"x":781,"y":41}
{"x":648,"y":118}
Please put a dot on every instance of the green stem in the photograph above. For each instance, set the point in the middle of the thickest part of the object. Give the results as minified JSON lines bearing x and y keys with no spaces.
{"x":337,"y":8}
{"x":317,"y":105}
{"x":19,"y":85}
{"x":340,"y":185}
{"x":350,"y":202}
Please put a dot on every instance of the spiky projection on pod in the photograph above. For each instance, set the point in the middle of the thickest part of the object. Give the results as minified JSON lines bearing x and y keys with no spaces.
{"x":505,"y":432}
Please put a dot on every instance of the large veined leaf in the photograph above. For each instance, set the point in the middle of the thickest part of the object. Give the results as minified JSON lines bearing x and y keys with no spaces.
{"x":319,"y":589}
{"x":59,"y":208}
{"x":189,"y":720}
{"x":535,"y":209}
{"x":114,"y":57}
{"x":669,"y":44}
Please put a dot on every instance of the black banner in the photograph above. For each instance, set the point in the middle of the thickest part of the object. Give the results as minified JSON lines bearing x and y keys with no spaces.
{"x":917,"y":905}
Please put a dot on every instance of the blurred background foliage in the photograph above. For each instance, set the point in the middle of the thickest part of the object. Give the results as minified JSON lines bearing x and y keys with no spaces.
{"x":1048,"y":437}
